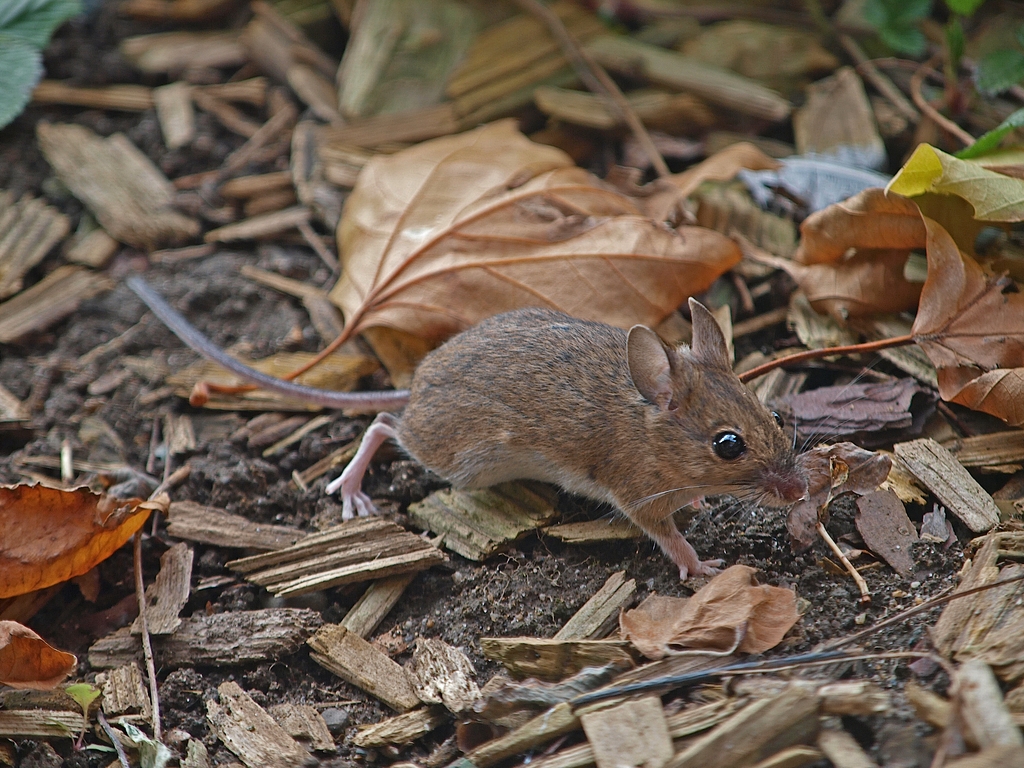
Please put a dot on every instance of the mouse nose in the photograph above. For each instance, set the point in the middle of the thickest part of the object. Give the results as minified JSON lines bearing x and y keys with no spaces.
{"x":789,"y":486}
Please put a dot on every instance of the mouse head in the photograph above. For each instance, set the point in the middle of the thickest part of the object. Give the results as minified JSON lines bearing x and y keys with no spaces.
{"x":712,"y":424}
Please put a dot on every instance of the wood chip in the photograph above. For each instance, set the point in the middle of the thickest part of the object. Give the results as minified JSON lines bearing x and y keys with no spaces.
{"x":442,"y":674}
{"x":124,"y":691}
{"x":169,"y":592}
{"x":982,"y":710}
{"x":755,"y":732}
{"x":476,"y":524}
{"x":28,"y":231}
{"x":633,"y":733}
{"x":854,"y":697}
{"x":174,"y":52}
{"x":209,"y":525}
{"x":792,"y":757}
{"x":126,"y":98}
{"x":260,"y":227}
{"x":244,"y":187}
{"x":94,"y":249}
{"x":887,"y":530}
{"x":996,"y":757}
{"x":359,"y":550}
{"x":40,"y":723}
{"x":220,"y":639}
{"x":943,"y":475}
{"x":196,"y":755}
{"x":655,"y":108}
{"x":673,"y":70}
{"x":997,"y":451}
{"x":357,"y":662}
{"x":591,"y":621}
{"x":126,"y":192}
{"x":554,"y":660}
{"x":305,"y":724}
{"x":549,"y":725}
{"x":401,"y":729}
{"x":592,"y":531}
{"x":378,"y":599}
{"x":843,"y":750}
{"x":248,"y":731}
{"x":50,"y":300}
{"x":175,"y":113}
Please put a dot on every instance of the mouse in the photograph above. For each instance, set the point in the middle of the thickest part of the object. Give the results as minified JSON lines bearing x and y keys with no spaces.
{"x":616,"y":416}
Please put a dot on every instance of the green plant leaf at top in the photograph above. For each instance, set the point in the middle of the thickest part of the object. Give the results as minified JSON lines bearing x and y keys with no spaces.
{"x":35,"y":20}
{"x":990,"y":140}
{"x":964,"y":7}
{"x":21,"y":67}
{"x":998,"y":71}
{"x":908,"y":40}
{"x":84,"y":693}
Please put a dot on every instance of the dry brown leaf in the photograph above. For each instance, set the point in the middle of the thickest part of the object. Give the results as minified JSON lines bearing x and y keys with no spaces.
{"x":732,"y":605}
{"x":832,"y":470}
{"x":870,"y":219}
{"x":966,"y":318}
{"x":999,"y":392}
{"x":441,"y":235}
{"x":851,"y":408}
{"x":867,"y":283}
{"x":49,"y":535}
{"x":886,"y":529}
{"x":28,"y":661}
{"x":723,"y":166}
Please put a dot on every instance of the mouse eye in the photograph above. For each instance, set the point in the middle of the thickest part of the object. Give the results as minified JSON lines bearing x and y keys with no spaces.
{"x":728,"y":445}
{"x":778,"y":419}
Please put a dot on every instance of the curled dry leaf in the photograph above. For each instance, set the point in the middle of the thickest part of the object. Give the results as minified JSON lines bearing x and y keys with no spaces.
{"x":971,"y":326}
{"x":28,"y":661}
{"x":870,"y":219}
{"x":729,"y":607}
{"x":49,"y":535}
{"x":446,"y":233}
{"x":832,"y":470}
{"x":867,"y":283}
{"x":852,"y":408}
{"x":994,"y":196}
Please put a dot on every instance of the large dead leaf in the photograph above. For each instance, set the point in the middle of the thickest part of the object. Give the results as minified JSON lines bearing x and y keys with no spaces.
{"x":870,"y":219}
{"x":28,"y":661}
{"x":48,"y":535}
{"x":441,"y":235}
{"x":999,"y":392}
{"x":867,"y":283}
{"x":832,"y":470}
{"x":731,"y":605}
{"x":967,"y":318}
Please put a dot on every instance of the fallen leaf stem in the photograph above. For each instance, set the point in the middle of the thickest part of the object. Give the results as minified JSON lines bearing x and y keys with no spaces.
{"x":147,"y":642}
{"x":815,"y":354}
{"x":916,"y":81}
{"x":597,"y":80}
{"x":865,"y":593}
{"x":112,"y":735}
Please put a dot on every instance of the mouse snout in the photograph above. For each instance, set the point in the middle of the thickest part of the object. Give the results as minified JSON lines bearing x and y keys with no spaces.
{"x":788,"y":486}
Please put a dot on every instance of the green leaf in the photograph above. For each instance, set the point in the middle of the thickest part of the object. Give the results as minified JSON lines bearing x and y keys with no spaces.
{"x":993,"y":196}
{"x":908,"y":40}
{"x":990,"y":140}
{"x":35,"y":20}
{"x":1020,"y":35}
{"x":906,"y":13}
{"x":21,"y":67}
{"x":84,"y":693}
{"x":964,"y":7}
{"x":998,"y":71}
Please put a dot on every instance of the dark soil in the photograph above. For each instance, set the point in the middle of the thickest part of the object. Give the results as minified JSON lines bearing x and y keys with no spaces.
{"x":530,"y":590}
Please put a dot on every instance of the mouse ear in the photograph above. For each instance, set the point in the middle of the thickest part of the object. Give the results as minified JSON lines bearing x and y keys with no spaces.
{"x":649,"y":365}
{"x":708,"y":343}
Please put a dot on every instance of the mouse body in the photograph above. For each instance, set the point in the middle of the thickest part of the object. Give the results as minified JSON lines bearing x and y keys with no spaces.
{"x":616,"y":416}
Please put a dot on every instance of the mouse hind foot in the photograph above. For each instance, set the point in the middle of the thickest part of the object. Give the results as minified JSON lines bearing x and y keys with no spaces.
{"x":353,"y":500}
{"x":681,"y":552}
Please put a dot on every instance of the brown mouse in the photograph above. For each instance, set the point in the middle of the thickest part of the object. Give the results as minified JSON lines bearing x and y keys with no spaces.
{"x":612,"y":415}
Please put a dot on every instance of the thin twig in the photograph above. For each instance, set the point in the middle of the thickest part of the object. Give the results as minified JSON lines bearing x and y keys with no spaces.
{"x":147,"y":643}
{"x":597,"y":80}
{"x":865,"y":593}
{"x":880,"y":80}
{"x":112,"y":735}
{"x":916,"y":81}
{"x":814,"y":354}
{"x":318,"y":246}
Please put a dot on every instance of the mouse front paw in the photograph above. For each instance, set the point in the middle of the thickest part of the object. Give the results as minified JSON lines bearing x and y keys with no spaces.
{"x":703,"y":568}
{"x":357,"y":503}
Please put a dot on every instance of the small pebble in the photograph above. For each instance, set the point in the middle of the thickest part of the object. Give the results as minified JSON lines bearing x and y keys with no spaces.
{"x":336,"y":720}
